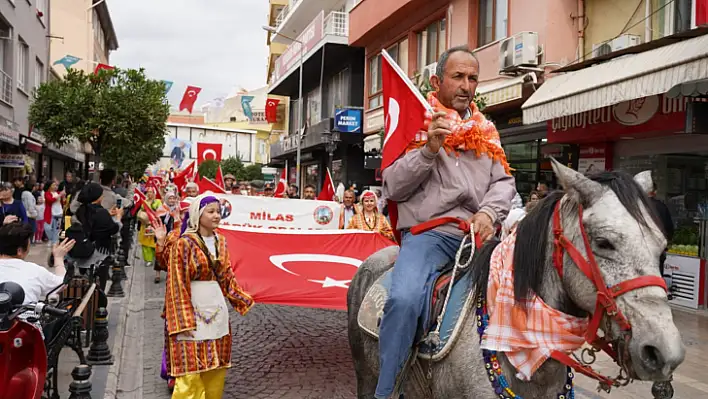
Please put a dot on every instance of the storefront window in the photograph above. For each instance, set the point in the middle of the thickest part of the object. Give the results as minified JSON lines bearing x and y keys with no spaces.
{"x":314,"y":112}
{"x":432,"y":41}
{"x":399,"y":53}
{"x":375,"y":82}
{"x":312,"y":176}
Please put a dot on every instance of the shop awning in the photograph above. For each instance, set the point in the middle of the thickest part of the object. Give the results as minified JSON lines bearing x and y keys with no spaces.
{"x":694,"y":88}
{"x":502,"y":91}
{"x":620,"y":79}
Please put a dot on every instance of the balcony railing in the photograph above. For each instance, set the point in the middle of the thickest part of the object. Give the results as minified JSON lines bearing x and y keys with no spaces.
{"x":5,"y":88}
{"x":281,"y":17}
{"x":337,"y":23}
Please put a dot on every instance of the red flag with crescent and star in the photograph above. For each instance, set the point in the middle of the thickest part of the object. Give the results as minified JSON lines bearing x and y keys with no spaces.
{"x":183,"y":177}
{"x":206,"y":184}
{"x":189,"y":98}
{"x":208,"y":151}
{"x":102,"y":66}
{"x":282,"y":186}
{"x":138,"y":200}
{"x":405,"y":110}
{"x":327,"y":193}
{"x":308,"y":268}
{"x":219,"y":179}
{"x":271,"y":110}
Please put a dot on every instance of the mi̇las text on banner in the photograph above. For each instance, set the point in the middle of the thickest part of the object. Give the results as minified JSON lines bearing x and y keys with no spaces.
{"x":278,"y":213}
{"x":299,"y":268}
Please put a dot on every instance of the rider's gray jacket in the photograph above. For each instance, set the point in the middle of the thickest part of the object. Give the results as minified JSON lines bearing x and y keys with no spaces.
{"x":428,"y":186}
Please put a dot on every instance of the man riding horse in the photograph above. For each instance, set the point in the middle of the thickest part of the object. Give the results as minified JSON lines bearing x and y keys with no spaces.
{"x":459,"y":171}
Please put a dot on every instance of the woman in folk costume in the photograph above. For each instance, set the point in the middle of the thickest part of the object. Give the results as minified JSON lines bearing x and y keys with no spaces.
{"x":369,"y":219}
{"x":199,"y":279}
{"x":166,"y":235}
{"x":146,"y":237}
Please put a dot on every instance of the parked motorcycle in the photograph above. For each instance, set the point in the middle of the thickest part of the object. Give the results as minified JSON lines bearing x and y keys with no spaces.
{"x":23,"y":355}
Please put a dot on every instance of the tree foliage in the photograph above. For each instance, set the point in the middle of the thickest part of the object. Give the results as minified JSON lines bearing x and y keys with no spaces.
{"x":208,"y":168}
{"x":121,"y":113}
{"x":253,"y":172}
{"x":233,"y":166}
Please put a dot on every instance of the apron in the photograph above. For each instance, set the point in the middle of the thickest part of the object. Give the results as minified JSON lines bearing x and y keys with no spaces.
{"x":210,"y":312}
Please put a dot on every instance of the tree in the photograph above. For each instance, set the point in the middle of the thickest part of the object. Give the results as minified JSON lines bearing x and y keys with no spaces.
{"x":120,"y":113}
{"x":252,"y":172}
{"x":208,"y":168}
{"x":232,"y":165}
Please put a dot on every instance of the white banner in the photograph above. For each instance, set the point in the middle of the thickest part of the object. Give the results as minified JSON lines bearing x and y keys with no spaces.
{"x":279,"y":213}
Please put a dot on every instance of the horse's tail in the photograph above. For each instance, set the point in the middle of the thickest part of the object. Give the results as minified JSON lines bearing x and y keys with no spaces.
{"x":480,"y":266}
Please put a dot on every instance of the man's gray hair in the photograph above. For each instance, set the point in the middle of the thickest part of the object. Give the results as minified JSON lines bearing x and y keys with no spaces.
{"x":440,"y":68}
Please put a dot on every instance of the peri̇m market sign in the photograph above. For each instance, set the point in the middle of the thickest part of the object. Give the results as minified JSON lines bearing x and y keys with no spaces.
{"x":639,"y":118}
{"x":278,"y":213}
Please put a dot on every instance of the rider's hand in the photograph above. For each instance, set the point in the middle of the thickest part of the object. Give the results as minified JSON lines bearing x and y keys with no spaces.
{"x":160,"y":230}
{"x":438,"y":129}
{"x":483,"y":225}
{"x":61,"y":249}
{"x":10,"y":219}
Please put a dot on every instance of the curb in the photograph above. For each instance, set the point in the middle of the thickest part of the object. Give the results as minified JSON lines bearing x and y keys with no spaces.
{"x":133,"y":293}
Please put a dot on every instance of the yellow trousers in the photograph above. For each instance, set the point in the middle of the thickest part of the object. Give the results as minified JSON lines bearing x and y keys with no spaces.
{"x":206,"y":385}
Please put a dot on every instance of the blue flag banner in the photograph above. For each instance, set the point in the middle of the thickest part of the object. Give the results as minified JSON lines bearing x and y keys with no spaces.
{"x":246,"y":104}
{"x":67,"y":61}
{"x":168,"y":85}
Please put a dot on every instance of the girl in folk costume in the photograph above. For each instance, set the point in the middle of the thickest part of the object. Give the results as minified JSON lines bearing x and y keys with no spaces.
{"x":199,"y":279}
{"x":369,"y":219}
{"x":146,"y":237}
{"x":166,"y":235}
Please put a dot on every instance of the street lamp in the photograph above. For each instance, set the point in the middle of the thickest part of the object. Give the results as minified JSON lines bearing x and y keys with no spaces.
{"x":299,"y":107}
{"x":331,"y":140}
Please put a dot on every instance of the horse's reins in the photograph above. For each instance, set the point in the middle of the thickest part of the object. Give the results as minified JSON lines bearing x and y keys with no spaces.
{"x":605,"y":303}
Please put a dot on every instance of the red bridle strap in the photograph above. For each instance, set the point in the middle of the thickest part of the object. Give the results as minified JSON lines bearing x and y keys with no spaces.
{"x":605,"y":295}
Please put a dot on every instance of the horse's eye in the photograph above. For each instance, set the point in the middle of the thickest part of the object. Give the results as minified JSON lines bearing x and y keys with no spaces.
{"x":604,"y":243}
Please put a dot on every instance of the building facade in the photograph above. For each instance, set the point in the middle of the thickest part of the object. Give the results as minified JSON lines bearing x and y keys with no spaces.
{"x":416,"y":32}
{"x":83,"y":29}
{"x":639,"y":101}
{"x":330,"y":119}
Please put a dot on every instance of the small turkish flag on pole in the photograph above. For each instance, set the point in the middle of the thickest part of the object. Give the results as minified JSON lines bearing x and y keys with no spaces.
{"x":138,"y":200}
{"x":206,"y":184}
{"x":400,"y":95}
{"x":208,"y":151}
{"x":327,"y":193}
{"x":282,"y":186}
{"x":189,"y":98}
{"x":183,"y":177}
{"x":271,"y":110}
{"x":102,"y":66}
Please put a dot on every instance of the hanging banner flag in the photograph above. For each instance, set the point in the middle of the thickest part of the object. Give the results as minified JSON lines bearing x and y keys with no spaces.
{"x":189,"y":98}
{"x":168,"y":85}
{"x":271,"y":110}
{"x":68,"y":61}
{"x":184,"y":176}
{"x":208,"y":151}
{"x":327,"y":193}
{"x":303,"y":268}
{"x":246,"y":105}
{"x":279,"y":213}
{"x":102,"y":66}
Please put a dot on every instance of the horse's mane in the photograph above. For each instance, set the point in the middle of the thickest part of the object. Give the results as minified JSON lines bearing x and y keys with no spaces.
{"x":530,"y":252}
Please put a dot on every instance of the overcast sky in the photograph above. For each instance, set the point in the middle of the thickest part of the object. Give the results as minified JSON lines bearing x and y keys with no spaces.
{"x":217,"y":45}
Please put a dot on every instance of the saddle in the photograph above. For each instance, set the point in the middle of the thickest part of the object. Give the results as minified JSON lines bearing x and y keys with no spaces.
{"x":436,"y":290}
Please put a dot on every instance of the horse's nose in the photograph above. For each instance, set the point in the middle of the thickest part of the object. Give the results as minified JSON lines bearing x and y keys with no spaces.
{"x":661,"y":361}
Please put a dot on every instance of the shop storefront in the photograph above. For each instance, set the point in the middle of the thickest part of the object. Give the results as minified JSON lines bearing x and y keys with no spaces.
{"x":10,"y":153}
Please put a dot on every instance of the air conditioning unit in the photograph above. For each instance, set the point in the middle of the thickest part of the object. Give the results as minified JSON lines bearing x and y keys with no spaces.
{"x":518,"y":51}
{"x":616,"y":44}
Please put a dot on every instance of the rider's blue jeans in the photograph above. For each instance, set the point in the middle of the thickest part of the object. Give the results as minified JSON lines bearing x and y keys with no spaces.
{"x":420,"y":256}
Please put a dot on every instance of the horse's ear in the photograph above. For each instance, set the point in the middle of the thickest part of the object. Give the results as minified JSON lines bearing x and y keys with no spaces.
{"x":645,"y":181}
{"x":574,"y":182}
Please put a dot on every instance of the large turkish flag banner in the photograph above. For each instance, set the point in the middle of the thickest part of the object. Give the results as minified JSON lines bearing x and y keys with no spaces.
{"x":300,"y":268}
{"x":208,"y":151}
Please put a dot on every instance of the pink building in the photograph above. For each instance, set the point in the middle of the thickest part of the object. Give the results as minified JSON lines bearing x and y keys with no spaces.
{"x":416,"y":32}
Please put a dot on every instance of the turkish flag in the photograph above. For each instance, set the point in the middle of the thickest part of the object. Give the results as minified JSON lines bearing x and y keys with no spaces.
{"x":307,"y":268}
{"x":206,"y":184}
{"x":189,"y":98}
{"x":208,"y":151}
{"x":156,"y":183}
{"x":138,"y":200}
{"x":327,"y":193}
{"x":219,"y":179}
{"x":183,"y":177}
{"x":404,"y":108}
{"x":271,"y":110}
{"x":102,"y":66}
{"x":282,"y":186}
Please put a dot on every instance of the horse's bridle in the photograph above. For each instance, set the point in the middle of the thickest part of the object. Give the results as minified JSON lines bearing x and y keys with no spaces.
{"x":605,"y":303}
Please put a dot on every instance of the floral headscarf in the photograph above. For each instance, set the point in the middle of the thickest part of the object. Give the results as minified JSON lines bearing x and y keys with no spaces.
{"x":196,"y":209}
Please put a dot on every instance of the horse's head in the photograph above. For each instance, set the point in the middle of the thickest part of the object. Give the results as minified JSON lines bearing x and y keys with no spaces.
{"x":626,"y":242}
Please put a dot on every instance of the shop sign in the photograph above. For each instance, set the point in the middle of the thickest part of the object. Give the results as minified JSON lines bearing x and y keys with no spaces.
{"x":643,"y":117}
{"x":309,"y":38}
{"x":9,"y":136}
{"x":507,"y":120}
{"x":592,"y":159}
{"x":12,"y":161}
{"x":684,"y":273}
{"x":347,"y":120}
